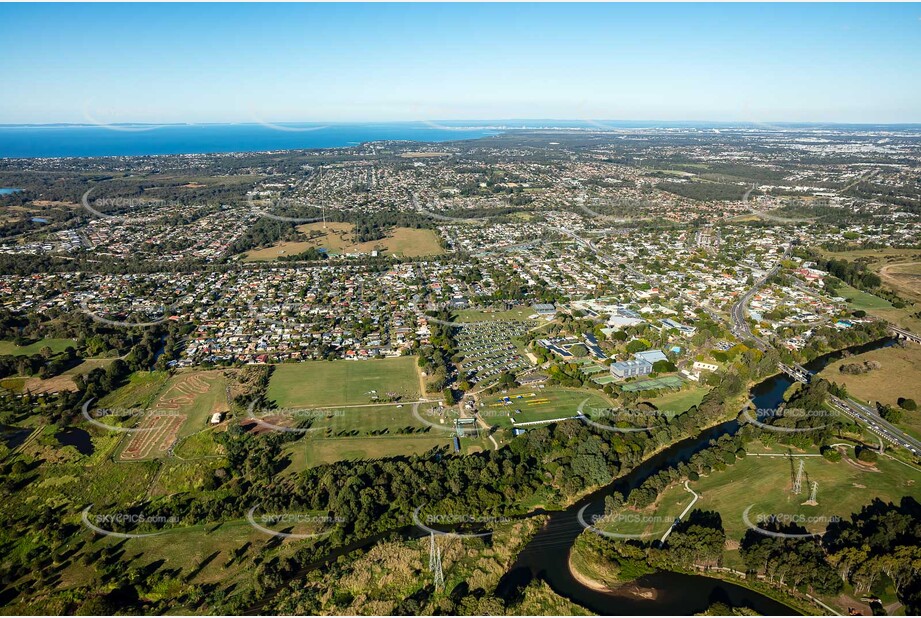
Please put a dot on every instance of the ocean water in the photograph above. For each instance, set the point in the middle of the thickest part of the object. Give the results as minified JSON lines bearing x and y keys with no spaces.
{"x":31,"y":141}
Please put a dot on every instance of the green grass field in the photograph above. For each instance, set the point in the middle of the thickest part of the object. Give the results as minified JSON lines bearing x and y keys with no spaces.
{"x":202,"y":405}
{"x":56,"y":345}
{"x":206,"y":551}
{"x":339,"y":383}
{"x":310,"y":452}
{"x":184,"y":476}
{"x":538,"y":405}
{"x":862,"y":300}
{"x":16,"y":385}
{"x":653,"y":383}
{"x":679,"y":401}
{"x":199,"y":445}
{"x":765,"y":483}
{"x":651,"y":522}
{"x":375,"y":420}
{"x":139,"y":392}
{"x":338,"y":238}
{"x":898,"y":377}
{"x":88,"y":365}
{"x":519,"y":314}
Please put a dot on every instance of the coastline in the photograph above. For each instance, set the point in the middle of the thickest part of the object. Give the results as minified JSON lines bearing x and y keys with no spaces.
{"x":100,"y":140}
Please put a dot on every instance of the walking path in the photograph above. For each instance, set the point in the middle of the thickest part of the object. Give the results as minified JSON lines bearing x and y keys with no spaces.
{"x":683,"y":513}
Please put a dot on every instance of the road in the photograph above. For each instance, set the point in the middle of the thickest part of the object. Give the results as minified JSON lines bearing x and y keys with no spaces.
{"x":877,"y":424}
{"x":740,"y":328}
{"x":739,"y":324}
{"x":874,"y":422}
{"x":612,"y":263}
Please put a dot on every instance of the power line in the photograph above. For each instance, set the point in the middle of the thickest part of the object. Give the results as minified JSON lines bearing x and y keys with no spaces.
{"x":435,"y":563}
{"x":798,"y":483}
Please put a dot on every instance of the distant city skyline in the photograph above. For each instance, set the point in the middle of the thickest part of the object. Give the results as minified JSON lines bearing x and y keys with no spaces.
{"x":220,"y":63}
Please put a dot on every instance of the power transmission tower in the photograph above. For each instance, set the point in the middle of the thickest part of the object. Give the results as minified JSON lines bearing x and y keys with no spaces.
{"x":798,"y":483}
{"x":435,"y":563}
{"x":815,"y":490}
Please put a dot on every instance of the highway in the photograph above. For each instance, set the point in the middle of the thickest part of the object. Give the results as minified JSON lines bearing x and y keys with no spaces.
{"x":874,"y":422}
{"x":882,"y":428}
{"x":877,"y":424}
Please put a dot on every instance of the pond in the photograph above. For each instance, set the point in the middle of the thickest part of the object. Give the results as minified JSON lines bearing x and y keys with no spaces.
{"x":13,"y":436}
{"x":78,"y":438}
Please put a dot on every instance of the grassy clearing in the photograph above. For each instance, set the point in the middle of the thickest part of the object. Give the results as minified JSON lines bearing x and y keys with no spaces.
{"x":199,"y":445}
{"x":338,"y":383}
{"x":538,"y":404}
{"x":423,"y":155}
{"x":16,"y":385}
{"x":680,"y":401}
{"x":653,"y":521}
{"x":59,"y":383}
{"x":67,"y":478}
{"x":904,"y":278}
{"x":862,"y":300}
{"x":88,"y":365}
{"x":338,"y":238}
{"x":879,"y":255}
{"x":57,"y":346}
{"x":519,"y":314}
{"x":899,"y":376}
{"x":311,"y":452}
{"x":184,"y":476}
{"x":904,"y":317}
{"x":765,"y":484}
{"x":900,"y":270}
{"x":206,"y":551}
{"x":375,"y":420}
{"x":139,"y":392}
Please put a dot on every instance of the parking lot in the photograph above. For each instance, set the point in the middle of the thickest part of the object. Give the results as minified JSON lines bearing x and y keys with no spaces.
{"x":488,"y":350}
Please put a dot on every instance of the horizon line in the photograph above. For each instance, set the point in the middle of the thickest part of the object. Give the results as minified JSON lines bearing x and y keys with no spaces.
{"x":589,"y":122}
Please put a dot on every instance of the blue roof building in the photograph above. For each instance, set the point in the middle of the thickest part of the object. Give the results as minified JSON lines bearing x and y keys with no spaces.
{"x":651,"y":356}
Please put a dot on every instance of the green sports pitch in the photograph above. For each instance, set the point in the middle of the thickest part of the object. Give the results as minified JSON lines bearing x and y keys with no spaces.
{"x":538,"y":405}
{"x":339,"y":383}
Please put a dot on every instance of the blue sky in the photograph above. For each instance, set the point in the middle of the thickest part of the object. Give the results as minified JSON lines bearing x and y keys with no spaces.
{"x":368,"y":62}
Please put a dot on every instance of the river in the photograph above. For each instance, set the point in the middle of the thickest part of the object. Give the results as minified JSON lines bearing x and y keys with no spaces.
{"x":546,"y":556}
